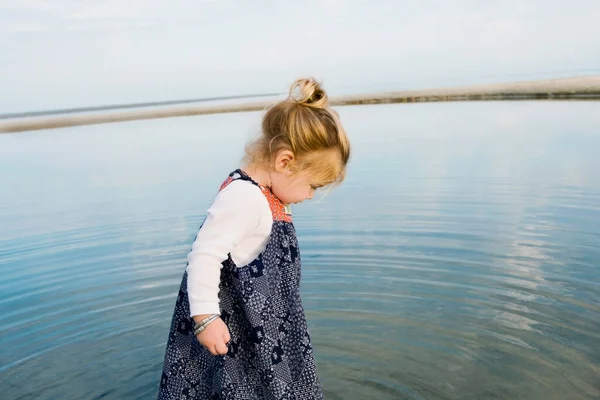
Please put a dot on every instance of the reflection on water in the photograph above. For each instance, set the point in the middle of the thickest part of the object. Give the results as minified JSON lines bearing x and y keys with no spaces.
{"x":460,"y":259}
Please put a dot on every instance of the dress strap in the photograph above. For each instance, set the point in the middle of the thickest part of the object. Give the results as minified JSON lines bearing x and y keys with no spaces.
{"x":238,"y":174}
{"x":241,"y":175}
{"x":280,"y":211}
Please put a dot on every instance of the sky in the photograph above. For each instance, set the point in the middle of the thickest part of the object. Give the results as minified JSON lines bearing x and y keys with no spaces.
{"x":72,"y":53}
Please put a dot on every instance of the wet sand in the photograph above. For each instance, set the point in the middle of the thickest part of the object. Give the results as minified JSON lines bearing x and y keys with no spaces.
{"x":579,"y":88}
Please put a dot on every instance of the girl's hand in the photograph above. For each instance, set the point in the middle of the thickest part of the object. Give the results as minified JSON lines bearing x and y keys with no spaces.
{"x":215,"y":336}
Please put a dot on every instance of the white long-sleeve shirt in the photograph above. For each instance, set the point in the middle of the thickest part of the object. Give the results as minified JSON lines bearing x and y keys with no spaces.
{"x":239,"y":223}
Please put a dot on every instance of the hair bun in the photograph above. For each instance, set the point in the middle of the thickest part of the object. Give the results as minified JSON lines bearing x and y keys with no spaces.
{"x":308,"y":92}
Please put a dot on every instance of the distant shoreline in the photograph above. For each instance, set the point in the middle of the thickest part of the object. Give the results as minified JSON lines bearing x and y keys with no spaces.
{"x":28,"y":114}
{"x":578,"y":88}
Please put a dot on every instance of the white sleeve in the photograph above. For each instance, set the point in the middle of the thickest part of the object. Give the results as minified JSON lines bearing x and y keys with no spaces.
{"x":232,"y":217}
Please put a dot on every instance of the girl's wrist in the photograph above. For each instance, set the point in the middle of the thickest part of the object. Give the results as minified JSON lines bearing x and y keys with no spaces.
{"x":201,"y":325}
{"x":200,"y":317}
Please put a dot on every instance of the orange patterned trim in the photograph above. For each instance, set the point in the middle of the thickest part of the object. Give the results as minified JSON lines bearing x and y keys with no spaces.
{"x":226,"y":183}
{"x":278,"y":209}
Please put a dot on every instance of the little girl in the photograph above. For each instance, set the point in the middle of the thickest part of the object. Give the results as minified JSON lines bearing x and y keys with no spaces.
{"x":239,"y":330}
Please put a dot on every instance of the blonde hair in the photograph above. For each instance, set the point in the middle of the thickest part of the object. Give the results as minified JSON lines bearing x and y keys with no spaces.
{"x":306,"y":125}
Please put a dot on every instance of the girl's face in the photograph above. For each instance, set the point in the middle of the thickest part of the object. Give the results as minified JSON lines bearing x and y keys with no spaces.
{"x":292,"y":188}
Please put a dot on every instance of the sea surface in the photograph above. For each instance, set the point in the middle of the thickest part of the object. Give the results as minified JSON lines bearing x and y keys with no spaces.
{"x":460,"y":259}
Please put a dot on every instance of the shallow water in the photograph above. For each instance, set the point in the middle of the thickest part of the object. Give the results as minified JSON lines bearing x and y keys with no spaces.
{"x":460,"y":260}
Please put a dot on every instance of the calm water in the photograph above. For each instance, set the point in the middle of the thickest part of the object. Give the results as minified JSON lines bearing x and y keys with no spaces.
{"x":461,"y":259}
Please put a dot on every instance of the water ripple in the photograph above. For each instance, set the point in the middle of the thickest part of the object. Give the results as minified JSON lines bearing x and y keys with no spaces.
{"x":444,"y":268}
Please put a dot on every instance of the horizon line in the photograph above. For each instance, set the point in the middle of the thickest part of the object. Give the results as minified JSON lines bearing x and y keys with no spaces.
{"x":579,"y":88}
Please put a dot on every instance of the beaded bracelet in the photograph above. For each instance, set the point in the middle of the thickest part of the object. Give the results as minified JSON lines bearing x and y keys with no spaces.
{"x":197,"y":324}
{"x":199,"y":327}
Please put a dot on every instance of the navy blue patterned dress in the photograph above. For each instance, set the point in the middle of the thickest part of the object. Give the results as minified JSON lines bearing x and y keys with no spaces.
{"x":270,"y":354}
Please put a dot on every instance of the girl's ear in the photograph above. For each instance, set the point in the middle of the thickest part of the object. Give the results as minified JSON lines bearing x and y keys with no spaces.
{"x":283,"y":161}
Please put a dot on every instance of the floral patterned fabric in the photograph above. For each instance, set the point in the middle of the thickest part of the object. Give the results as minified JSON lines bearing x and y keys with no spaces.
{"x":270,"y":354}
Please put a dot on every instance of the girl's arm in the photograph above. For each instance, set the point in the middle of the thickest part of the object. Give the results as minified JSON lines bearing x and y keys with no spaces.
{"x":232,"y":217}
